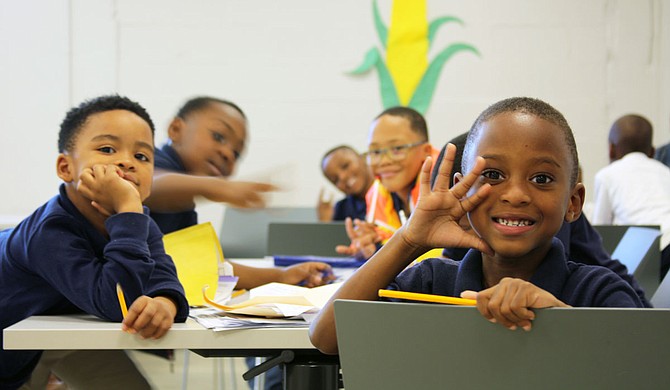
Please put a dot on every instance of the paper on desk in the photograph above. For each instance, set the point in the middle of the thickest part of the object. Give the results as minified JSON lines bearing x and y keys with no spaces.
{"x":217,"y":320}
{"x":196,"y":253}
{"x":276,"y":300}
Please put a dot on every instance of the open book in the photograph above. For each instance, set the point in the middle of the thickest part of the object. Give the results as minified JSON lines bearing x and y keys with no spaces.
{"x":278,"y":300}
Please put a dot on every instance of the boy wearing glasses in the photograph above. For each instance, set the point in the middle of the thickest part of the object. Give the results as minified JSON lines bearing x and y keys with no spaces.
{"x":397,"y":147}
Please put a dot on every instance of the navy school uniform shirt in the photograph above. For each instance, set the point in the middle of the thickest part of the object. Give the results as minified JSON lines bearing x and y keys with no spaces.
{"x":582,"y":245}
{"x":578,"y":285}
{"x":56,"y":262}
{"x":351,"y":206}
{"x":166,"y":158}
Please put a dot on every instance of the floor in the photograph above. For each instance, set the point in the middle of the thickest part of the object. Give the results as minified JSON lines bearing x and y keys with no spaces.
{"x":203,"y":373}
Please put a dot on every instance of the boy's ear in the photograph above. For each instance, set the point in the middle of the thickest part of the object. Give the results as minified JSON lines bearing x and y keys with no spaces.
{"x":64,"y":168}
{"x":428,"y":149}
{"x":576,"y":203}
{"x":176,"y":129}
{"x":612,"y":152}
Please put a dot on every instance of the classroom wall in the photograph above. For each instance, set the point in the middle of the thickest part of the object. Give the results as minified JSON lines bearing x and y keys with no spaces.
{"x":285,"y":63}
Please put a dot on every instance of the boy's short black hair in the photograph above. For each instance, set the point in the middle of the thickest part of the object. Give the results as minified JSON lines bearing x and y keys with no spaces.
{"x":77,"y":116}
{"x":335,"y":149}
{"x":200,"y":102}
{"x":416,"y":120}
{"x":632,"y":133}
{"x":526,"y":105}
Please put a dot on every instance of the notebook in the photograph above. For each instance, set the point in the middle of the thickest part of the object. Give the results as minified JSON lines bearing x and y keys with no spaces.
{"x":418,"y":346}
{"x":306,"y":239}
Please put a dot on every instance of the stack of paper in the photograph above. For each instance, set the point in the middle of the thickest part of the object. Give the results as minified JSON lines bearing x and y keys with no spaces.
{"x":273,"y":304}
{"x":218,"y":320}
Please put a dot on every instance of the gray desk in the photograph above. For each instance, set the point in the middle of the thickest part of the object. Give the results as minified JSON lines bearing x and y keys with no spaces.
{"x":421,"y":346}
{"x":80,"y":332}
{"x":88,"y":332}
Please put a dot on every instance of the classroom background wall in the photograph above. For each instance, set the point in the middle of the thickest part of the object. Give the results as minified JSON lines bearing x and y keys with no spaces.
{"x":286,"y":62}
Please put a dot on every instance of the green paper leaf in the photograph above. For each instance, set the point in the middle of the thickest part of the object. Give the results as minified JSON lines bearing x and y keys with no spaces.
{"x":437,"y":23}
{"x":424,"y":91}
{"x":382,"y":31}
{"x":386,"y":86}
{"x":371,"y":58}
{"x":387,"y":89}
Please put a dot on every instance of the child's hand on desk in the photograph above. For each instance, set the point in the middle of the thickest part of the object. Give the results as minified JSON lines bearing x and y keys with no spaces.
{"x":309,"y":274}
{"x":364,"y":239}
{"x":150,"y":318}
{"x":509,"y":302}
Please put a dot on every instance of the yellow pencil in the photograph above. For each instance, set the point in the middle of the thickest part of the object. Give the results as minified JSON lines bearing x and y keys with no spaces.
{"x":122,"y":300}
{"x":426,"y":297}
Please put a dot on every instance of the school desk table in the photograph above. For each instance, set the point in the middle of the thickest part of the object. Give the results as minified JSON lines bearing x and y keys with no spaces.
{"x":306,"y":367}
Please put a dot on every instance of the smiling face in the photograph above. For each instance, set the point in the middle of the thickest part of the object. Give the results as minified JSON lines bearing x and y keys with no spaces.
{"x":528,"y":165}
{"x":117,"y":137}
{"x":397,"y":175}
{"x":210,"y":140}
{"x":348,"y":171}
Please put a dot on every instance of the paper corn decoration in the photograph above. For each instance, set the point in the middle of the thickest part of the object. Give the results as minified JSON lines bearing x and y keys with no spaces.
{"x":406,"y":77}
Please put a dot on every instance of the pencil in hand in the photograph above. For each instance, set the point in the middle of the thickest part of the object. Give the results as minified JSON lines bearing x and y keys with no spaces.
{"x":122,"y":300}
{"x":426,"y":298}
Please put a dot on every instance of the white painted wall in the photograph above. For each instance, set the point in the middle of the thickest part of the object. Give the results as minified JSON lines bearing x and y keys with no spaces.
{"x":284,"y":62}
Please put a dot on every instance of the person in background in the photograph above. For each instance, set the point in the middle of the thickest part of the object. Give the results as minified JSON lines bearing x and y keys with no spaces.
{"x":634,"y":189}
{"x":68,"y":255}
{"x":662,"y":154}
{"x":519,"y":186}
{"x":348,"y":171}
{"x":397,"y":146}
{"x":206,"y":139}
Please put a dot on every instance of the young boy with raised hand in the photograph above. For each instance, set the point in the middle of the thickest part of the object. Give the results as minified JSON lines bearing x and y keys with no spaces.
{"x":69,"y":255}
{"x":207,"y":137}
{"x":349,"y":172}
{"x":398,"y":144}
{"x":521,"y":167}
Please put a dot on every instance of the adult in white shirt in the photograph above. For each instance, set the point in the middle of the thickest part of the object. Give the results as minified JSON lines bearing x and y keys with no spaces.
{"x":634,"y":189}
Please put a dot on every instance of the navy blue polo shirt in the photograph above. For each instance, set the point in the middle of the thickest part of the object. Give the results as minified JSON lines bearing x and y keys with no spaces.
{"x":166,"y":158}
{"x":351,"y":206}
{"x":578,"y":285}
{"x":582,"y":245}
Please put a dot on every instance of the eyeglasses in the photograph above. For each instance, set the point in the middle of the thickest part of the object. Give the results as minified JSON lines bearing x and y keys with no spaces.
{"x":395,"y":153}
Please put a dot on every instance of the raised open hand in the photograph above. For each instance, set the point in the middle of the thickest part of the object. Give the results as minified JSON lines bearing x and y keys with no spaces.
{"x":434,"y":223}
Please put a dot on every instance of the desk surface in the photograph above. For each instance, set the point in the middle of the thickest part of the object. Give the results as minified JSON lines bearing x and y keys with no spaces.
{"x":68,"y":332}
{"x":88,"y":332}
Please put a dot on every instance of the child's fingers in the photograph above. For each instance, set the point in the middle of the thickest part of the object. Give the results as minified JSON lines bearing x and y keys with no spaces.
{"x":349,"y":227}
{"x":445,"y":168}
{"x":345,"y":250}
{"x":472,"y":241}
{"x":509,"y":303}
{"x":424,"y":176}
{"x":134,"y":311}
{"x":152,"y":321}
{"x":469,"y":203}
{"x":101,"y":209}
{"x":461,"y":188}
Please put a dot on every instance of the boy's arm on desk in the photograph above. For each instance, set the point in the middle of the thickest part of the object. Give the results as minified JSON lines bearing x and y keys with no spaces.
{"x":250,"y":266}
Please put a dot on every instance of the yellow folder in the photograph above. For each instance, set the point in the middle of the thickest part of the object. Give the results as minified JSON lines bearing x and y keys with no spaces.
{"x":196,"y":253}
